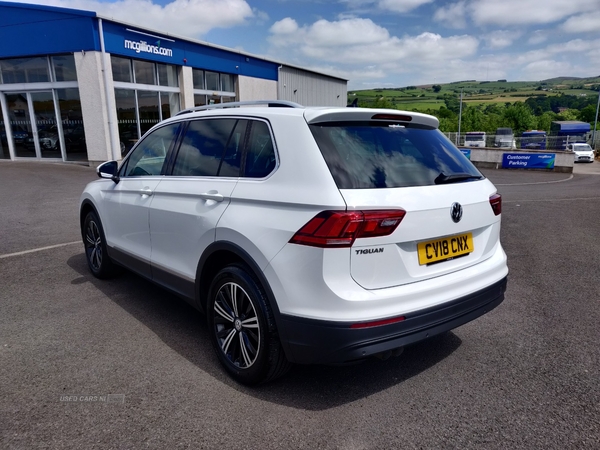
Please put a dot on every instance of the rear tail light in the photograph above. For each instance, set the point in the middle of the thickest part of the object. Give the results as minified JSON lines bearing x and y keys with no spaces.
{"x":496,"y":203}
{"x":342,"y":228}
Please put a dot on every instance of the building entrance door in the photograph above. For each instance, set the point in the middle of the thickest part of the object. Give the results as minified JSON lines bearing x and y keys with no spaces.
{"x":34,"y":126}
{"x":45,"y":124}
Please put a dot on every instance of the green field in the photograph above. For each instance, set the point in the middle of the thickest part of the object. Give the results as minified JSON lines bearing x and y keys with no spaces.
{"x":424,"y":97}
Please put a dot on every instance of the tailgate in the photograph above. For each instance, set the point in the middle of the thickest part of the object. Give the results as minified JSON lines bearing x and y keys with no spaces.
{"x":429,"y":242}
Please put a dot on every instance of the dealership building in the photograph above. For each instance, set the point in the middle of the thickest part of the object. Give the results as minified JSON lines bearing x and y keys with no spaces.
{"x":76,"y":86}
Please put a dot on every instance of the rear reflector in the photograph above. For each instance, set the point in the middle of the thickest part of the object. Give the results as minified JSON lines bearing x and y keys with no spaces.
{"x":496,"y":203}
{"x":377,"y":323}
{"x":342,"y":228}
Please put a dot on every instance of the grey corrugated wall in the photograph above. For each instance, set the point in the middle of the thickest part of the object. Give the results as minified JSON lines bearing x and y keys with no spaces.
{"x":311,"y":89}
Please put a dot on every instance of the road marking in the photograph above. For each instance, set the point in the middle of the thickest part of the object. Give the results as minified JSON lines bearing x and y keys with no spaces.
{"x":41,"y":249}
{"x":538,"y":182}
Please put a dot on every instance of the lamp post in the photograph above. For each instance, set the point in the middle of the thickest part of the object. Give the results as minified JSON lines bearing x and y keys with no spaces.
{"x":460,"y":118}
{"x":596,"y":121}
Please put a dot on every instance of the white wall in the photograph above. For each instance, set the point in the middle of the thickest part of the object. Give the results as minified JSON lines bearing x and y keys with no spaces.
{"x":94,"y":105}
{"x":256,"y":89}
{"x":186,"y":85}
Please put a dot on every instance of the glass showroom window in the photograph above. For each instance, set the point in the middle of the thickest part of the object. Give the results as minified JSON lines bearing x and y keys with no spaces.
{"x":139,"y":110}
{"x":4,"y":153}
{"x":72,"y":124}
{"x":143,"y":72}
{"x":213,"y":87}
{"x":64,"y":68}
{"x":145,"y":93}
{"x":121,"y":69}
{"x":44,"y":120}
{"x":38,"y":70}
{"x":25,"y":70}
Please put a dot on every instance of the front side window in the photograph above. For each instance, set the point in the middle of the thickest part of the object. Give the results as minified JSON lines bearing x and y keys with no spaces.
{"x":211,"y":147}
{"x":367,"y":155}
{"x":149,"y":156}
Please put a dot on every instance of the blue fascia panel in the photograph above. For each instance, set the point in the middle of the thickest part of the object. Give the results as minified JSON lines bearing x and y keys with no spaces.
{"x":149,"y":45}
{"x":29,"y":30}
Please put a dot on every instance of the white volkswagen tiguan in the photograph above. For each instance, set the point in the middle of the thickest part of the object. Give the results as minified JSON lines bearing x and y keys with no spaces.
{"x":306,"y":235}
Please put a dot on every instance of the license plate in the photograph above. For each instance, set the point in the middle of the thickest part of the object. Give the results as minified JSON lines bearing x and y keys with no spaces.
{"x":446,"y":248}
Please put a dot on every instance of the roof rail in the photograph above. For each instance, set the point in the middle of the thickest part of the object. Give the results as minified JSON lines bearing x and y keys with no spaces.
{"x":269,"y":103}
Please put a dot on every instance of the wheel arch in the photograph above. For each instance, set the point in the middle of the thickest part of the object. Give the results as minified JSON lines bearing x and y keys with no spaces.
{"x":220,"y":254}
{"x":86,"y":207}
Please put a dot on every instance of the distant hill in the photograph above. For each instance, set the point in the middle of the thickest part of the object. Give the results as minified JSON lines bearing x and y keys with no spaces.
{"x":433,"y":96}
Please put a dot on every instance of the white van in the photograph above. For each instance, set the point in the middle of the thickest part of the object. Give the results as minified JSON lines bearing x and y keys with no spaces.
{"x":475,"y":139}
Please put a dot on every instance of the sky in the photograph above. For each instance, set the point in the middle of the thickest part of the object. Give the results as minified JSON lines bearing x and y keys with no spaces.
{"x":386,"y":43}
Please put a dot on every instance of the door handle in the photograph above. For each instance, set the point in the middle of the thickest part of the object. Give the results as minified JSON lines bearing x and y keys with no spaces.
{"x":212,"y":195}
{"x":146,"y":191}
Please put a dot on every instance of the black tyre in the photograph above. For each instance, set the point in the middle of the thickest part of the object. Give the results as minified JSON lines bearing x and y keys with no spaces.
{"x":242,"y":328}
{"x":94,"y":241}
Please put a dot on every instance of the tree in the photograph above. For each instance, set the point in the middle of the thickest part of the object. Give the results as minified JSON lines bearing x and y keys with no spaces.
{"x":383,"y":103}
{"x":569,"y":114}
{"x":545,"y":120}
{"x":473,"y":119}
{"x":436,"y":88}
{"x":588,"y":114}
{"x":519,"y":117}
{"x":452,"y":103}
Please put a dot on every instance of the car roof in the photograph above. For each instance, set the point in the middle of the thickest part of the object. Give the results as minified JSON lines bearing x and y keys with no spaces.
{"x":313,"y":114}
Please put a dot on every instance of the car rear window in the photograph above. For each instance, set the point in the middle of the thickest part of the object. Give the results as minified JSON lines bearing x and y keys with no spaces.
{"x":368,"y":155}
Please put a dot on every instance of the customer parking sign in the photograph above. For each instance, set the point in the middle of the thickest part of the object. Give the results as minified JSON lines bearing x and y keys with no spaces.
{"x":528,"y":160}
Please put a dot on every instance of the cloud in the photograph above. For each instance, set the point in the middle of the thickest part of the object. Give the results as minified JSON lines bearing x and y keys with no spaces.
{"x":286,"y":26}
{"x":574,"y":46}
{"x":501,"y":38}
{"x":453,"y":15}
{"x":519,"y":12}
{"x":181,"y":17}
{"x":582,"y":23}
{"x":542,"y":70}
{"x":401,"y":6}
{"x":361,"y":49}
{"x":397,"y":6}
{"x":537,"y":37}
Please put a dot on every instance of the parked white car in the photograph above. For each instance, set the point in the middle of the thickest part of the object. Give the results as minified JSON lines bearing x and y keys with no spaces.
{"x":583,"y":152}
{"x":306,"y":235}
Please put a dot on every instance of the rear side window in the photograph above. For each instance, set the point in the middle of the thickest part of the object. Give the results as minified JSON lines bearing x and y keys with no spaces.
{"x":211,"y":147}
{"x":149,"y":155}
{"x":260,"y":158}
{"x":367,"y":155}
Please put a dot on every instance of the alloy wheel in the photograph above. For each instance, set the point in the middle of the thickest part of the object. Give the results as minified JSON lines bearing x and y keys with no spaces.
{"x":93,"y":245}
{"x":236,"y":325}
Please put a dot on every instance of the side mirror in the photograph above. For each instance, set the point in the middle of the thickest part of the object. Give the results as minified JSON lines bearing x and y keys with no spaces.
{"x":110,"y":170}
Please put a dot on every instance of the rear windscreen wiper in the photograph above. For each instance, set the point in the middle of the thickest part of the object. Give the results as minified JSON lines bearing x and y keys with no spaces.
{"x":442,"y":178}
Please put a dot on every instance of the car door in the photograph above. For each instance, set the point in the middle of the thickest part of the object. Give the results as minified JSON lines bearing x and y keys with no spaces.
{"x":188,"y":203}
{"x":125,"y":209}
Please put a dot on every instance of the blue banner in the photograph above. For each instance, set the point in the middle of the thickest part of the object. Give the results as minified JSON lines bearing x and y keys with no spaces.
{"x":528,"y":160}
{"x":466,"y":152}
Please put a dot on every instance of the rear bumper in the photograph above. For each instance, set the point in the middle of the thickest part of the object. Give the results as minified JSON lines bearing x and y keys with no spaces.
{"x":309,"y":341}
